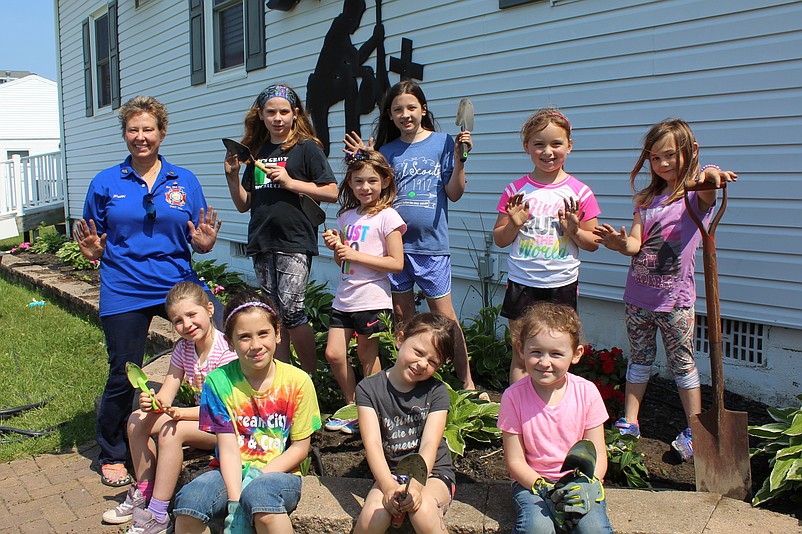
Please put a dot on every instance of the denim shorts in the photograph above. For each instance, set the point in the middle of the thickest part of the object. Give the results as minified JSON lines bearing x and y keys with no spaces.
{"x":431,"y":273}
{"x":271,"y":493}
{"x":283,"y":278}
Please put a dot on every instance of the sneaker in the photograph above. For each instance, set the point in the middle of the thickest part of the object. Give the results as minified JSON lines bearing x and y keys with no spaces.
{"x":146,"y":523}
{"x":351,"y":427}
{"x":627,"y":428}
{"x":335,"y":424}
{"x":684,"y":445}
{"x":124,"y":512}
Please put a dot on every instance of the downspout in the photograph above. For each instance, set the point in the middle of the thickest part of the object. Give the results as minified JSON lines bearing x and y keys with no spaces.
{"x":60,"y":85}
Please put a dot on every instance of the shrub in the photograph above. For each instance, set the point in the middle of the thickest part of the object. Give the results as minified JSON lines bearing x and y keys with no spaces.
{"x":70,"y":254}
{"x":20,"y":248}
{"x":608,"y":370}
{"x":782,"y":440}
{"x":47,"y":242}
{"x":220,"y":280}
{"x":489,"y":348}
{"x":470,"y":420}
{"x":624,"y":463}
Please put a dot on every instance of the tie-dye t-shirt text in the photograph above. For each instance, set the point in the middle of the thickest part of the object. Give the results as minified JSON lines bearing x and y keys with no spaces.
{"x":264,"y":421}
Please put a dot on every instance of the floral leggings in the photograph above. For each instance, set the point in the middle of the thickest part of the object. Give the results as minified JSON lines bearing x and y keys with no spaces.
{"x":677,"y":330}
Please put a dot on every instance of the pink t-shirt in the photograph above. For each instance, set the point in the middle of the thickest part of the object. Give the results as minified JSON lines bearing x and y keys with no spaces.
{"x":550,"y":431}
{"x":184,"y":357}
{"x":541,"y":255}
{"x":363,"y":288}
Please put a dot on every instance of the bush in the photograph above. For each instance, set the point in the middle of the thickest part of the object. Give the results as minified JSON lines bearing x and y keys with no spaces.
{"x":70,"y":253}
{"x":489,"y":346}
{"x":470,"y":420}
{"x":48,"y":241}
{"x":782,"y":440}
{"x":608,"y":370}
{"x":624,"y":463}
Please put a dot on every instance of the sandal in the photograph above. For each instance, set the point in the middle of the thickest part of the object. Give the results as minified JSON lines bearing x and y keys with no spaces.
{"x":114,"y":475}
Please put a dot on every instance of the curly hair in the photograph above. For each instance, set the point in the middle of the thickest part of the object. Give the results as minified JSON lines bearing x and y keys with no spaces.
{"x":548,"y":316}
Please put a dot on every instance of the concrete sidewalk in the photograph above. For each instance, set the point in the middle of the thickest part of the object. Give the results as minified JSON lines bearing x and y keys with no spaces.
{"x":60,"y":493}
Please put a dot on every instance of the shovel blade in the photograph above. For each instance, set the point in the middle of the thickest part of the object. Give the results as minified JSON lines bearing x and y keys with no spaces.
{"x":465,"y":114}
{"x":136,"y":376}
{"x":312,"y":210}
{"x":721,"y":453}
{"x":235,"y":147}
{"x":414,"y":466}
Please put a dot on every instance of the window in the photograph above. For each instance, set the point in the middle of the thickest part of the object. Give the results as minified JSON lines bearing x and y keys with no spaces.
{"x":101,"y":65}
{"x":229,"y":34}
{"x":226,"y":36}
{"x":21,"y":153}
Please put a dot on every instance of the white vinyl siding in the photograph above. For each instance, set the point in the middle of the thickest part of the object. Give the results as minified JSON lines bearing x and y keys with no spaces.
{"x":732,"y":69}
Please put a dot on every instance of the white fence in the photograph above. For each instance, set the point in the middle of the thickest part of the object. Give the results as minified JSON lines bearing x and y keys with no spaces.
{"x":31,"y":183}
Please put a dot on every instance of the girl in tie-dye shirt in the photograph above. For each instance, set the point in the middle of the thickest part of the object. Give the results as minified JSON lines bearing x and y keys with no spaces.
{"x":263,"y":412}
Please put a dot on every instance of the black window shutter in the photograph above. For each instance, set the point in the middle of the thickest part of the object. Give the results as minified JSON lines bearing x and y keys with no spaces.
{"x":254,"y":35}
{"x":114,"y":55}
{"x":197,"y":45}
{"x":87,"y":68}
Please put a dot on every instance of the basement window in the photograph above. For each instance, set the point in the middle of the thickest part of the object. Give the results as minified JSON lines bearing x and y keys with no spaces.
{"x":743,"y":342}
{"x":238,"y":250}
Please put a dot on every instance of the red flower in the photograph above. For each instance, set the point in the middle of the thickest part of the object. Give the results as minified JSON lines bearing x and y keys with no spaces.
{"x":607,"y":363}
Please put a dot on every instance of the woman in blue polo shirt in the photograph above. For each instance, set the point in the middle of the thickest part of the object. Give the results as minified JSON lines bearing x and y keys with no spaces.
{"x":142,"y":220}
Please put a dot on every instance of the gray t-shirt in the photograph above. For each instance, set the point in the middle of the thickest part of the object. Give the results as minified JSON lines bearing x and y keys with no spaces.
{"x":402,"y":417}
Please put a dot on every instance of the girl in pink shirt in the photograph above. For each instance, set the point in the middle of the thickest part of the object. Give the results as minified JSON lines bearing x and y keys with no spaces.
{"x":544,"y":415}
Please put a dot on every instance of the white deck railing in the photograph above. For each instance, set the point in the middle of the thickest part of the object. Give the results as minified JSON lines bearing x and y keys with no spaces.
{"x":30,"y":183}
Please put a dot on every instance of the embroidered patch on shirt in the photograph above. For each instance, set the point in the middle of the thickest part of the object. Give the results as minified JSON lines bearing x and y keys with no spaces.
{"x":175,"y":195}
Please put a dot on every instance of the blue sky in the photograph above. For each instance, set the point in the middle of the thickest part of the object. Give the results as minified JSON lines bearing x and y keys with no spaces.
{"x":28,"y":37}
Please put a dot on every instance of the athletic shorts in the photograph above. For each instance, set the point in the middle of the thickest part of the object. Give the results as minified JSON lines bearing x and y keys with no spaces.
{"x":431,"y":273}
{"x":361,"y":322}
{"x":518,"y":297}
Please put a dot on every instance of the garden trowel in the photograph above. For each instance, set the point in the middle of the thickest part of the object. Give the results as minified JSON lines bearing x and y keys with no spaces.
{"x":311,"y":209}
{"x":465,"y":122}
{"x":139,"y":380}
{"x":412,"y":466}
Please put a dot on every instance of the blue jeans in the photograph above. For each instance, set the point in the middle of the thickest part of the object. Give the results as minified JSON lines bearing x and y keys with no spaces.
{"x":533,"y":515}
{"x":126,"y":336}
{"x":270,"y":493}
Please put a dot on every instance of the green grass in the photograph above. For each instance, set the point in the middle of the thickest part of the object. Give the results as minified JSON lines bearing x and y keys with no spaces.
{"x":48,"y":353}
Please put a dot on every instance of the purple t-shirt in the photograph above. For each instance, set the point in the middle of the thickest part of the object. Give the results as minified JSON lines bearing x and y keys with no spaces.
{"x":660,"y":276}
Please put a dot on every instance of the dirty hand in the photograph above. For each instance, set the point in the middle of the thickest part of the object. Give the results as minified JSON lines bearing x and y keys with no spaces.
{"x":570,"y":216}
{"x":412,"y":501}
{"x":390,"y":501}
{"x":204,"y":236}
{"x":332,"y":239}
{"x":92,"y":245}
{"x":610,"y":238}
{"x":517,"y":210}
{"x":231,"y":165}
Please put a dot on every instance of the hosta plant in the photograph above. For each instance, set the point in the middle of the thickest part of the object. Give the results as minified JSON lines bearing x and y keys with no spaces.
{"x":470,"y":420}
{"x":782,"y":440}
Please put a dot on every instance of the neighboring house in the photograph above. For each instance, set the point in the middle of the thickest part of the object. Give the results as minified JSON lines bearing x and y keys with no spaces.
{"x":29,"y":123}
{"x":733,"y":70}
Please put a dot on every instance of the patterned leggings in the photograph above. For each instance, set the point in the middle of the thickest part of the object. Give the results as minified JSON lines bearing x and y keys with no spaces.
{"x":677,"y":330}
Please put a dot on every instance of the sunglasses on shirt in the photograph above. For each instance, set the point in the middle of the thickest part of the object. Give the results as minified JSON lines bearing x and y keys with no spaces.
{"x":150,"y":207}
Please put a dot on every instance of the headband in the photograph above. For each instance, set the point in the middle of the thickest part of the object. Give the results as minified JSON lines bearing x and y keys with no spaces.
{"x":272,"y":91}
{"x":560,"y":116}
{"x":358,"y":155}
{"x":250,"y":304}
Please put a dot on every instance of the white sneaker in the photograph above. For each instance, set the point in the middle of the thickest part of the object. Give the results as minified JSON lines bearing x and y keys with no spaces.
{"x":124,"y":512}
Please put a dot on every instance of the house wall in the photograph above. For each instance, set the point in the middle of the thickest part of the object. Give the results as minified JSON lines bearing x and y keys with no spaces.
{"x":731,"y":69}
{"x":29,"y":118}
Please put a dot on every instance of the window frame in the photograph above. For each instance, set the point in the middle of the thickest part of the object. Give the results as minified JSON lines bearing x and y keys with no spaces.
{"x":94,"y":65}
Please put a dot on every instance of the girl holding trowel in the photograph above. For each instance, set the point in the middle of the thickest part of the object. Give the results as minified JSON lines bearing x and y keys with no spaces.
{"x":201,"y":349}
{"x":428,"y":177}
{"x":403,"y":410}
{"x":281,"y":238}
{"x":660,"y":293}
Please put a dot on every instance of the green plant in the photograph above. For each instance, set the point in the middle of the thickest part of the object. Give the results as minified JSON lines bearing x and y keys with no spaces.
{"x":70,"y":253}
{"x":470,"y":420}
{"x":608,"y":370}
{"x":185,"y":394}
{"x":220,"y":280}
{"x":47,"y":241}
{"x":624,"y":462}
{"x":318,"y":305}
{"x":489,"y":346}
{"x":782,"y":440}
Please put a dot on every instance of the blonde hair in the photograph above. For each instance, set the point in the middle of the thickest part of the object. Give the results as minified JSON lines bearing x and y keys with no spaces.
{"x":548,"y":316}
{"x":186,"y":291}
{"x":687,"y":154}
{"x":378,"y":164}
{"x":542,"y":118}
{"x":144,"y":104}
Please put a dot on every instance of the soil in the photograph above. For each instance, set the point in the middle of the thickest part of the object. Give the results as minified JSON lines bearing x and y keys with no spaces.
{"x":661,"y":419}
